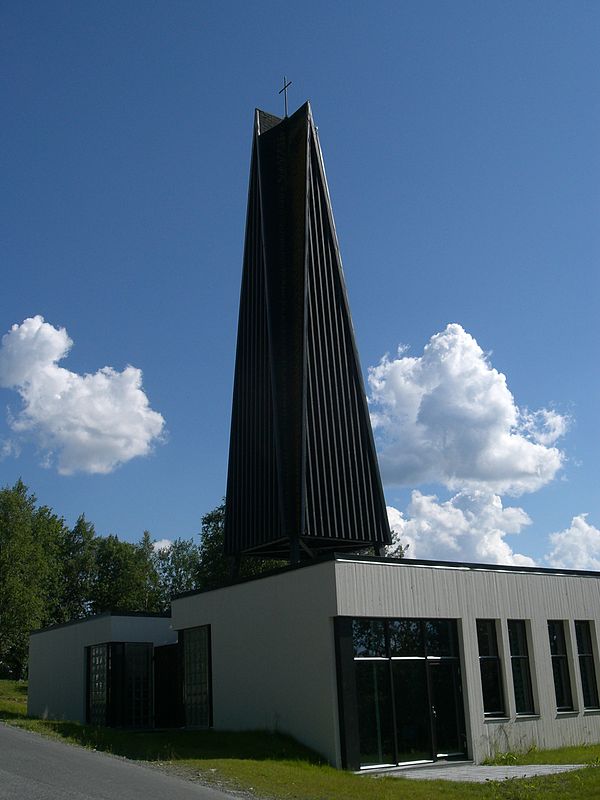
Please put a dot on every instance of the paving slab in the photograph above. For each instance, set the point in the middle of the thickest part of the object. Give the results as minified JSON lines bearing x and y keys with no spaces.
{"x":474,"y":773}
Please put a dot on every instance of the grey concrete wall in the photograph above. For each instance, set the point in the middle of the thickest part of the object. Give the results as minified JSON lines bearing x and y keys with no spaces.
{"x":57,"y":668}
{"x":405,"y":590}
{"x":273,"y":654}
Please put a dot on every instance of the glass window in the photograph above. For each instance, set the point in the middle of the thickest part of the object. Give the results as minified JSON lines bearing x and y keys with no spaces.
{"x":441,"y":638}
{"x":560,"y":665}
{"x":138,"y":685}
{"x":368,"y":637}
{"x":97,"y":684}
{"x":412,"y":709}
{"x":491,"y":669}
{"x":196,"y":688}
{"x":519,"y":658}
{"x":586,"y":664}
{"x":375,"y":714}
{"x":406,"y":638}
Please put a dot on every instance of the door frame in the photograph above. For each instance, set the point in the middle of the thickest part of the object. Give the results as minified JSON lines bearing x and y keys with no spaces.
{"x":348,"y":711}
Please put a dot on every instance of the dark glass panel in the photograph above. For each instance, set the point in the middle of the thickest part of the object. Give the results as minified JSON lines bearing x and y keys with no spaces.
{"x":413,"y":726}
{"x":522,"y":685}
{"x":440,"y":637}
{"x":584,"y":638}
{"x":588,"y":682}
{"x":447,"y":707}
{"x":486,"y":637}
{"x":375,"y":720}
{"x":368,"y":636}
{"x":116,"y":685}
{"x":562,"y":684}
{"x":406,"y":637}
{"x":587,"y":669}
{"x":491,"y":686}
{"x":490,"y":667}
{"x":517,"y":637}
{"x":138,"y":685}
{"x":167,"y":687}
{"x":196,"y":657}
{"x":98,"y":684}
{"x":560,"y":666}
{"x":556,"y":634}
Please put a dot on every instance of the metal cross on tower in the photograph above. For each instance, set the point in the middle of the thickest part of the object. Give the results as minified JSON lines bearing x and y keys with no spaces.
{"x":286,"y":83}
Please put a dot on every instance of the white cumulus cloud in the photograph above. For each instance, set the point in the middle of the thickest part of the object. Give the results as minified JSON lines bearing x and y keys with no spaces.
{"x":471,"y":526}
{"x":577,"y":547}
{"x":448,"y":417}
{"x":89,"y":423}
{"x":162,"y":544}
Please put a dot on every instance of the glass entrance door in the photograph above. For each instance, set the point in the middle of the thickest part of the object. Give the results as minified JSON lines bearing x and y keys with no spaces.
{"x":409,"y":690}
{"x":446,"y":708}
{"x":412,"y":707}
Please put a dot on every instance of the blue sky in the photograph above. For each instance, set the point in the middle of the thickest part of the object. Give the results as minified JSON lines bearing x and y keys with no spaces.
{"x":461,"y":142}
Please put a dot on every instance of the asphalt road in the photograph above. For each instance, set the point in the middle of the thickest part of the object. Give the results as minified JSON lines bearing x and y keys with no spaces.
{"x":35,"y":768}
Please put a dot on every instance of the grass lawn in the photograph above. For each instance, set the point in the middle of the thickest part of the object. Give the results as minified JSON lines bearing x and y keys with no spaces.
{"x":272,"y":765}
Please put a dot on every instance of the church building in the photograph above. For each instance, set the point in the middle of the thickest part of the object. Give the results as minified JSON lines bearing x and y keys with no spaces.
{"x":371,"y":661}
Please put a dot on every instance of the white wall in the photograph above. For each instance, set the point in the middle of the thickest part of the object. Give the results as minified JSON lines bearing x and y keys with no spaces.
{"x":57,"y":666}
{"x":409,"y":590}
{"x":273,"y":654}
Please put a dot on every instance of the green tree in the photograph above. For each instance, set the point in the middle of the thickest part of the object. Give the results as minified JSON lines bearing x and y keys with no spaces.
{"x":124,"y":578}
{"x":78,"y":569}
{"x":177,"y":568}
{"x":215,"y":568}
{"x":31,"y":539}
{"x":148,"y":575}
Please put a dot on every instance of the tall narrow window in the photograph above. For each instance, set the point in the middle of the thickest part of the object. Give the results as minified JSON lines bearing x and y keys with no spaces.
{"x":374,"y":692}
{"x":97,"y":684}
{"x":519,"y":658}
{"x":490,"y":667}
{"x":197,"y":678}
{"x":560,"y":665}
{"x":586,"y":664}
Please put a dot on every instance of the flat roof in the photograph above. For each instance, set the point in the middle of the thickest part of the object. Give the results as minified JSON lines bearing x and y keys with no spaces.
{"x":405,"y":563}
{"x":162,"y":615}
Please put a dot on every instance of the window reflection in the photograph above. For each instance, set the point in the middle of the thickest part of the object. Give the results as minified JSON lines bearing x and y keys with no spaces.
{"x":368,"y":636}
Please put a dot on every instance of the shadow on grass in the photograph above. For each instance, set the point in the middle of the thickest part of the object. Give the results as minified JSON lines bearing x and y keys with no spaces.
{"x":10,"y":715}
{"x":179,"y":745}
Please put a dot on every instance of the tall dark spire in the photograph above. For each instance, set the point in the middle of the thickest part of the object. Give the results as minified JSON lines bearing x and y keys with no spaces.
{"x":303,"y":474}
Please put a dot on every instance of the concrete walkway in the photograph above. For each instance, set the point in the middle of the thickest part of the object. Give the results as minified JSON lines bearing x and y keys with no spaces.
{"x":478,"y":774}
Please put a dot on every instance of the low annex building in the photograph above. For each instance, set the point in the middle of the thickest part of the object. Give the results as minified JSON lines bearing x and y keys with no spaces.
{"x":104,"y":670}
{"x":369,"y":661}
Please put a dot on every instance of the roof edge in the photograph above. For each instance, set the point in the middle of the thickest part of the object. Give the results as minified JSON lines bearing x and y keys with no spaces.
{"x":398,"y":562}
{"x":150,"y":614}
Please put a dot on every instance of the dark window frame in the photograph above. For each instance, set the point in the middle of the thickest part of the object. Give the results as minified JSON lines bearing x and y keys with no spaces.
{"x":490,"y":664}
{"x":587,"y":663}
{"x":520,"y":662}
